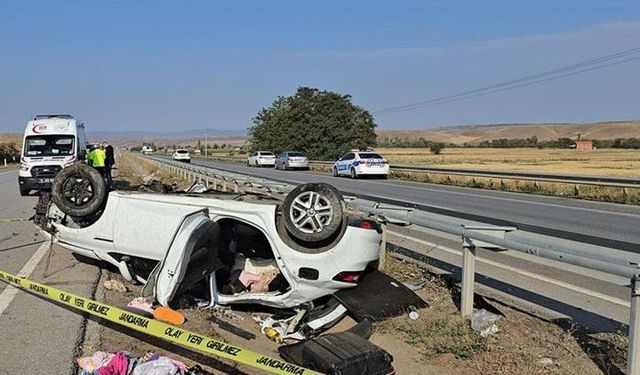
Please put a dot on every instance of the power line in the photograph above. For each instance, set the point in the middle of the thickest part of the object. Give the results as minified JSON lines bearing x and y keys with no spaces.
{"x":564,"y":71}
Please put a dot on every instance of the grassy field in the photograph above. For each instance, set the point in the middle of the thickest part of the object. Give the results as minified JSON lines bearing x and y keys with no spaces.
{"x":606,"y":162}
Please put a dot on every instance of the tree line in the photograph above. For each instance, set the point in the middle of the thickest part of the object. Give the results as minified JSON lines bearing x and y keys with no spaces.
{"x":532,"y":142}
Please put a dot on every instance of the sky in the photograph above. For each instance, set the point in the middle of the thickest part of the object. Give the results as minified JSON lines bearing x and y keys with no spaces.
{"x":169,"y":66}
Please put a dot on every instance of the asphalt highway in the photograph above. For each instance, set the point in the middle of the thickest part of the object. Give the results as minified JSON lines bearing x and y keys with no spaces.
{"x":36,"y":336}
{"x":603,"y":224}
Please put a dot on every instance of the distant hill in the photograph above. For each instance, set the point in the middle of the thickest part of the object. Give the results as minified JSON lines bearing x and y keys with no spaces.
{"x":187,"y":137}
{"x":474,"y":134}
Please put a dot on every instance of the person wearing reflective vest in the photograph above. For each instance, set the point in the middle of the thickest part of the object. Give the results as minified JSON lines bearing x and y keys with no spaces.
{"x":99,"y":157}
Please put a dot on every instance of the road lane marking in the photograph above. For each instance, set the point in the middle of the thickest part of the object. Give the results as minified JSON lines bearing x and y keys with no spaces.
{"x":156,"y":328}
{"x":10,"y":291}
{"x":558,"y":283}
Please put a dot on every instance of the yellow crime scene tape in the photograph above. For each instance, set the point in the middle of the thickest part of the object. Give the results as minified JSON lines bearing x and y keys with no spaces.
{"x":13,"y":219}
{"x":157,"y":328}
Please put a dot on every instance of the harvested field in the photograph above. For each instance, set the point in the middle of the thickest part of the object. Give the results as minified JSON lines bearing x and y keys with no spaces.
{"x":605,"y":162}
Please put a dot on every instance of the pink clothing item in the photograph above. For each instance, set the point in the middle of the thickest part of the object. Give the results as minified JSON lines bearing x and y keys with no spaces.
{"x":118,"y":365}
{"x":248,"y":278}
{"x":90,"y":364}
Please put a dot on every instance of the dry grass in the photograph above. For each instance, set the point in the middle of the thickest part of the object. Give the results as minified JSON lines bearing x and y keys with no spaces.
{"x":444,"y":341}
{"x":135,"y":169}
{"x":605,"y":162}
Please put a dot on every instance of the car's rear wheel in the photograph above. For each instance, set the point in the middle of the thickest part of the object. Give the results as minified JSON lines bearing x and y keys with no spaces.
{"x":79,"y":190}
{"x":353,"y":173}
{"x":313,"y":212}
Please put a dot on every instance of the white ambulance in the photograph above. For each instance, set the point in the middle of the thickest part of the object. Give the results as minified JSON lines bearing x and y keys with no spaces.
{"x":51,"y":142}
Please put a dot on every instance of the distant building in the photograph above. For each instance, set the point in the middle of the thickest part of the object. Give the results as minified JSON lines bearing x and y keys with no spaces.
{"x":583,"y":145}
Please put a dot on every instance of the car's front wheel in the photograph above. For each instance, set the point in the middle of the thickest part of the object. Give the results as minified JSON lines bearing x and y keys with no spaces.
{"x":79,"y":190}
{"x":313,"y":212}
{"x":335,"y":172}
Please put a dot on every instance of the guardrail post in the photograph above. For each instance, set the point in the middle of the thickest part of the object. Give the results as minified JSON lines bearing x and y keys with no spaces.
{"x":633,"y":356}
{"x":468,"y":276}
{"x":469,"y":259}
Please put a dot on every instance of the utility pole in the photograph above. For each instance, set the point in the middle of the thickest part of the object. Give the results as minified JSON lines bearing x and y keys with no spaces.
{"x":206,"y":145}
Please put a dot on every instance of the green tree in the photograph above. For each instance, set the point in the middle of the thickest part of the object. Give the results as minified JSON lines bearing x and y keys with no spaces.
{"x":323,"y":124}
{"x":436,"y":148}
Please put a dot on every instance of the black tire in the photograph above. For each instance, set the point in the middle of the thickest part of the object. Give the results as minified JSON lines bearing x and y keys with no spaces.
{"x":188,"y":161}
{"x":353,"y":174}
{"x":248,"y":165}
{"x":335,"y":172}
{"x":79,"y":190}
{"x":313,"y":212}
{"x":24,"y":192}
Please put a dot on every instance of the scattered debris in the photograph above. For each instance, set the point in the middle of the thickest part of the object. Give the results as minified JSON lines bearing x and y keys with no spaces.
{"x":95,"y":361}
{"x":122,"y":363}
{"x":280,"y":330}
{"x":415,"y":287}
{"x":168,"y":315}
{"x":483,"y":321}
{"x":115,"y":285}
{"x":196,"y":188}
{"x":413,"y":313}
{"x":545,"y":361}
{"x":222,"y":311}
{"x":233,"y":329}
{"x":141,"y":306}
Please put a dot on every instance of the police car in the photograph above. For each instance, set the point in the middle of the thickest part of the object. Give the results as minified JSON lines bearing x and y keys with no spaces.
{"x":360,"y":163}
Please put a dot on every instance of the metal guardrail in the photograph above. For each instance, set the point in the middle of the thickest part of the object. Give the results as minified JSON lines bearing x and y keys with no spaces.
{"x":489,"y":237}
{"x":543,"y":177}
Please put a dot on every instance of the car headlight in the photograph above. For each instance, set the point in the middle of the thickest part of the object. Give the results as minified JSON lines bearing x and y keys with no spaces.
{"x":24,"y":167}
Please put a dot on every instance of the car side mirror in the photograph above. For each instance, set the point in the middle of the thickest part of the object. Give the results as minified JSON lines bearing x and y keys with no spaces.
{"x":339,"y":159}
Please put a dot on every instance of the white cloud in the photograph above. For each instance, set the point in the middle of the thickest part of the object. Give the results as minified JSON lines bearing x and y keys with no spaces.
{"x":618,"y":33}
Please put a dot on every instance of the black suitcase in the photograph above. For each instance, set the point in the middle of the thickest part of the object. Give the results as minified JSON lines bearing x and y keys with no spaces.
{"x":343,"y":353}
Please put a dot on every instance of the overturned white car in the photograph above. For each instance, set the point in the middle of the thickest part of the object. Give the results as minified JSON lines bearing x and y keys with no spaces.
{"x":245,"y":250}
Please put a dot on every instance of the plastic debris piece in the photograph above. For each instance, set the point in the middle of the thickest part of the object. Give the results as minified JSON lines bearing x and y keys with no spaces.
{"x":413,"y":313}
{"x":115,"y":285}
{"x":483,"y":321}
{"x":168,"y":315}
{"x":141,"y":305}
{"x":414,"y":287}
{"x":160,"y":366}
{"x":196,"y":188}
{"x":545,"y":361}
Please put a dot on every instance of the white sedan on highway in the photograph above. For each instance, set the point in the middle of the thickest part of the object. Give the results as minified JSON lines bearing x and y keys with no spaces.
{"x":181,"y":155}
{"x":361,"y":163}
{"x":261,"y":159}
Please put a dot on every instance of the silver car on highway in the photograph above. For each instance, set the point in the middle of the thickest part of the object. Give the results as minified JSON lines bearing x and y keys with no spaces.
{"x":292,"y":160}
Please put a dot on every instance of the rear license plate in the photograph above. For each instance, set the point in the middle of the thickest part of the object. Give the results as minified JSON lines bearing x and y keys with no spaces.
{"x":45,"y":180}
